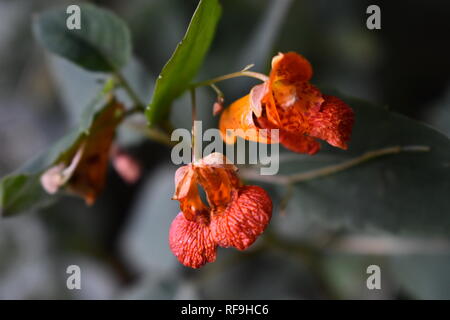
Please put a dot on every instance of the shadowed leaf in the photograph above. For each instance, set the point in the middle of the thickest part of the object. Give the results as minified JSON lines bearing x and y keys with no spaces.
{"x":404,"y":193}
{"x":101,"y":44}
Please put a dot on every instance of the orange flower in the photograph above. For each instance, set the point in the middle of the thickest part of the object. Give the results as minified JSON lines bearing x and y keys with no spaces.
{"x":82,"y":171}
{"x":235,"y":217}
{"x":288,"y":102}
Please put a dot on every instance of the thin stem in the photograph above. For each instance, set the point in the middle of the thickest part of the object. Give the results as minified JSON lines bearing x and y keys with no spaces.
{"x":153,"y":134}
{"x":195,"y":147}
{"x":139,"y":106}
{"x":329,"y":170}
{"x":219,"y":92}
{"x":244,"y":73}
{"x":354,"y":162}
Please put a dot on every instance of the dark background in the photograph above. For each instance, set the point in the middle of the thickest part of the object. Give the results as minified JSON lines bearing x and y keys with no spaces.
{"x":121,"y":242}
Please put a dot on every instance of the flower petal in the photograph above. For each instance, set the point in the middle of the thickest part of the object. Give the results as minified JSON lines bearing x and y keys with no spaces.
{"x":237,"y":121}
{"x":288,"y":104}
{"x":186,"y":192}
{"x":333,"y":123}
{"x":218,"y":184}
{"x":52,"y":179}
{"x":216,"y":160}
{"x":290,"y":96}
{"x":183,"y":180}
{"x":257,"y":93}
{"x":299,"y":142}
{"x":244,"y":219}
{"x":191,"y":242}
{"x":290,"y":66}
{"x":58,"y":175}
{"x":292,"y":140}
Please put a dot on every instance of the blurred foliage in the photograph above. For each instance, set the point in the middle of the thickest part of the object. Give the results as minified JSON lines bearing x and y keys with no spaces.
{"x":102,"y":44}
{"x":121,"y":242}
{"x":383,"y":194}
{"x":22,"y":190}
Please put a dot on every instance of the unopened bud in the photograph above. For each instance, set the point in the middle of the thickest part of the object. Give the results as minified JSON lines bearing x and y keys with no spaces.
{"x":127,"y":167}
{"x":218,"y":106}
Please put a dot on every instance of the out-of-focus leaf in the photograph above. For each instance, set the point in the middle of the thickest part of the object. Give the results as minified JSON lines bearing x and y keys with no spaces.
{"x":77,"y":87}
{"x":347,"y":275}
{"x":99,"y":281}
{"x":160,"y":285}
{"x":423,"y":276}
{"x":22,"y":190}
{"x":251,"y":275}
{"x":101,"y":44}
{"x":405,"y":193}
{"x":185,"y":61}
{"x":438,"y":114}
{"x":145,"y":242}
{"x":26,"y":261}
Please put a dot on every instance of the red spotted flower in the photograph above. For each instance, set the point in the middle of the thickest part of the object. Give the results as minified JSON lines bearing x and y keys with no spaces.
{"x":234,"y":216}
{"x":289,"y":103}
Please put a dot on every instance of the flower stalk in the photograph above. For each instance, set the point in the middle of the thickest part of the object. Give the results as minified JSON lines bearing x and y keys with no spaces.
{"x":332,"y":169}
{"x":196,"y":148}
{"x":242,"y":73}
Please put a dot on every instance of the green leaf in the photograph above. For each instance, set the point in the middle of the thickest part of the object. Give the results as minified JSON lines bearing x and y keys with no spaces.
{"x":22,"y":190}
{"x":405,"y":193}
{"x":187,"y":59}
{"x":102,"y":44}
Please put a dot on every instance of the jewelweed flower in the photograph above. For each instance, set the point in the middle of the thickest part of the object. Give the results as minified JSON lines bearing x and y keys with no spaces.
{"x":82,"y":171}
{"x":289,"y":103}
{"x":234,"y":216}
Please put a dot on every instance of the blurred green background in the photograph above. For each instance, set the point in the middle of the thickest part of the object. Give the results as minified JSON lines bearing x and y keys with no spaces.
{"x":120,"y":243}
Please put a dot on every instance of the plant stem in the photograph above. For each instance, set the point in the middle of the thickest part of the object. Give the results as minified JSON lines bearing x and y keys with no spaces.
{"x":139,"y":106}
{"x":219,"y":92}
{"x":195,"y":147}
{"x":153,"y":134}
{"x":244,"y":73}
{"x":329,"y":170}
